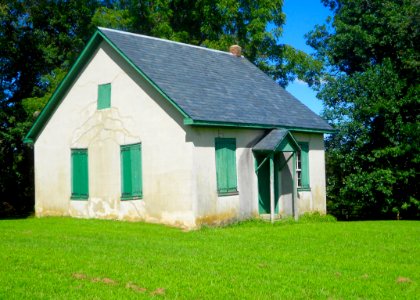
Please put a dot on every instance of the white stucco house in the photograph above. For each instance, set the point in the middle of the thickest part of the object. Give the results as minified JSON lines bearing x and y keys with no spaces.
{"x":149,"y":129}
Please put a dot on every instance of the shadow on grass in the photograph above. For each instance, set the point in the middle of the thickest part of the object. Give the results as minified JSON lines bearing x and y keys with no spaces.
{"x":306,"y":218}
{"x":8,"y":212}
{"x":17,"y":216}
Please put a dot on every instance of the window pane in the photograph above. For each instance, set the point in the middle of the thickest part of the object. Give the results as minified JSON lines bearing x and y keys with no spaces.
{"x":299,"y":161}
{"x":304,"y":164}
{"x":299,"y":178}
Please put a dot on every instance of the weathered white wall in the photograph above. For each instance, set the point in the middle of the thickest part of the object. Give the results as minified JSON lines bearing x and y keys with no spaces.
{"x":209,"y":207}
{"x":286,"y":185}
{"x":212,"y":209}
{"x":134,"y":117}
{"x":315,"y":199}
{"x":178,"y":161}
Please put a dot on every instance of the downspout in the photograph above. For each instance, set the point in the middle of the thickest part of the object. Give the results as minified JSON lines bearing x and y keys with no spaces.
{"x":294,"y":204}
{"x":272,"y":188}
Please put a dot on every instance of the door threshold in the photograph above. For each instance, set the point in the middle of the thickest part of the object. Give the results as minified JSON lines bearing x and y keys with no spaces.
{"x":268,"y":217}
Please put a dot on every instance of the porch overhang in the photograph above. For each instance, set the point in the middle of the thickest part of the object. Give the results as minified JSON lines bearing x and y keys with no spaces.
{"x":277,"y":140}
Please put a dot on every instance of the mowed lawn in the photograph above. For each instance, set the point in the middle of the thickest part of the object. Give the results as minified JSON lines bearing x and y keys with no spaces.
{"x":64,"y":258}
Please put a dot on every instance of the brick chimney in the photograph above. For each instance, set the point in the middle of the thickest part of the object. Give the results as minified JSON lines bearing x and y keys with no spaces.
{"x":235,"y":50}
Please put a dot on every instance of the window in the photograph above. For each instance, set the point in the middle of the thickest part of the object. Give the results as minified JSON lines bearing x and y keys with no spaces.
{"x":302,"y":166}
{"x":79,"y":174}
{"x":104,"y":96}
{"x":131,"y":175}
{"x":226,"y":166}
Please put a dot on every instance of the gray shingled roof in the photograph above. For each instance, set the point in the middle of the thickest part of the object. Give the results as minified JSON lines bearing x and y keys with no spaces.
{"x":214,"y":86}
{"x":271,"y":141}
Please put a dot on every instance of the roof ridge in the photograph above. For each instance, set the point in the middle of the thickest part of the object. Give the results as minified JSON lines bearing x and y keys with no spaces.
{"x":163,"y":40}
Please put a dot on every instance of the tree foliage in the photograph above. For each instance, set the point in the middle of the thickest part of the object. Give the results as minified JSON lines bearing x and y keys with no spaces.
{"x":40,"y":39}
{"x":371,"y":96}
{"x":254,"y":25}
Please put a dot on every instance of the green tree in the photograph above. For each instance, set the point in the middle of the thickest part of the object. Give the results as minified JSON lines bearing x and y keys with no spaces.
{"x":39,"y":40}
{"x":371,"y":96}
{"x":254,"y":25}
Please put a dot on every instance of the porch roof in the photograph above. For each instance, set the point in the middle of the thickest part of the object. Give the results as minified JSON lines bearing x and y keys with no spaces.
{"x":277,"y":140}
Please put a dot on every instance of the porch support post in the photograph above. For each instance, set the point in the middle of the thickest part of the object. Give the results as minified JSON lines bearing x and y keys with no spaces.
{"x":272,"y":187}
{"x":294,"y":200}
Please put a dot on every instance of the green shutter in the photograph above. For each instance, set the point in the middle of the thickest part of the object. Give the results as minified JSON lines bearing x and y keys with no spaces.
{"x":231,"y":166}
{"x":79,"y":174}
{"x":125,"y":172}
{"x":305,"y":164}
{"x":221,"y":164}
{"x":136,"y":180}
{"x":131,"y":174}
{"x":104,"y":96}
{"x":226,"y":165}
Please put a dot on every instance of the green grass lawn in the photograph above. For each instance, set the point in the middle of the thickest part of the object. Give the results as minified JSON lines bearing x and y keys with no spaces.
{"x":63,"y":258}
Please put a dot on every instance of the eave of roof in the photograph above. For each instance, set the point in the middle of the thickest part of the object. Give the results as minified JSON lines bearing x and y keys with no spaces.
{"x":215,"y":88}
{"x":189,"y":121}
{"x":68,"y":80}
{"x":144,"y":75}
{"x":86,"y":56}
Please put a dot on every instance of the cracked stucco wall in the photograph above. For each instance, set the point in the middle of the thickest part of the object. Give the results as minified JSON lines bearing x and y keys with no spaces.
{"x":209,"y":207}
{"x":138,"y":114}
{"x":178,"y":161}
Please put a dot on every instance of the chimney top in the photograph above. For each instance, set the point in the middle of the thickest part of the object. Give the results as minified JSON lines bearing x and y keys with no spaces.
{"x":235,"y":50}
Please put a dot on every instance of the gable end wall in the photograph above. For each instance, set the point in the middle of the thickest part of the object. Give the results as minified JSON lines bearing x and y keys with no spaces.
{"x":138,"y":114}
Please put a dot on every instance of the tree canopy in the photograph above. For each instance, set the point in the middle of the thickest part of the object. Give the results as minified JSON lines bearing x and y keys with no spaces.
{"x":370,"y":91}
{"x":254,"y":25}
{"x":41,"y":39}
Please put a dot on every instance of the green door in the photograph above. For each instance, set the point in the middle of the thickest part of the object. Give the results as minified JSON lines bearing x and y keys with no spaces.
{"x":264,"y":184}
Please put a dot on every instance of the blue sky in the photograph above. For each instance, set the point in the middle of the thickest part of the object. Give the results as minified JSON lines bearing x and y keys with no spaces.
{"x":301,"y":17}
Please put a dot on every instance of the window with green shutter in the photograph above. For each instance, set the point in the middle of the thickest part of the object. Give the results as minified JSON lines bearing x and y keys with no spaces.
{"x":302,"y":166}
{"x":104,"y":96}
{"x":79,"y":174}
{"x":226,"y":166}
{"x":131,"y":174}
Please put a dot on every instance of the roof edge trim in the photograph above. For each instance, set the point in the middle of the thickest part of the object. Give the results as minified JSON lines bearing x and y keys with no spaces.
{"x":83,"y":58}
{"x":293,"y":141}
{"x":163,"y":40}
{"x":190,"y":121}
{"x":290,"y":135}
{"x":61,"y":89}
{"x":147,"y":78}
